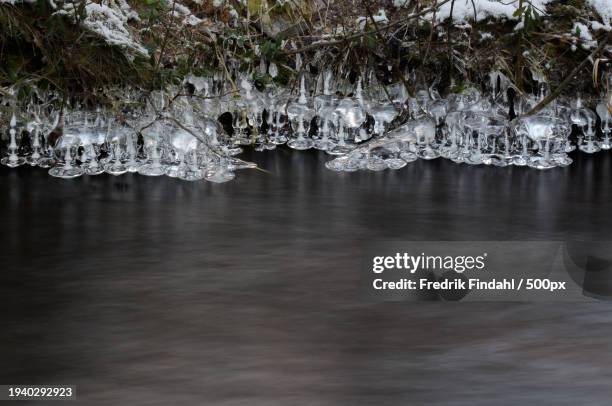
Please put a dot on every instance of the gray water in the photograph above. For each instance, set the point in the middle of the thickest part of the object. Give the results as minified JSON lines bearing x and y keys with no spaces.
{"x":153,"y":291}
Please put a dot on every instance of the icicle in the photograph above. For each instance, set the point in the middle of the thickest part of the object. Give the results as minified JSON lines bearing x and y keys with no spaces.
{"x":302,"y":99}
{"x":326,"y":83}
{"x":359,"y":91}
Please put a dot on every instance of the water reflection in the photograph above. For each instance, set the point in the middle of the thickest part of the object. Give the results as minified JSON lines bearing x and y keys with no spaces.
{"x":434,"y":200}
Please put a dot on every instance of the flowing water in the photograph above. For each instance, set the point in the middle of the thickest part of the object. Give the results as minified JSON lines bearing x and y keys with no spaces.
{"x":155,"y":291}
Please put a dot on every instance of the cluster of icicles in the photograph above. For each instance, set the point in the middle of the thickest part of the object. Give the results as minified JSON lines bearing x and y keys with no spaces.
{"x":370,"y":126}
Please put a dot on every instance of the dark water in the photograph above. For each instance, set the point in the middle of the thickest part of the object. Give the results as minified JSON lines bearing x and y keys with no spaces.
{"x":152,"y":291}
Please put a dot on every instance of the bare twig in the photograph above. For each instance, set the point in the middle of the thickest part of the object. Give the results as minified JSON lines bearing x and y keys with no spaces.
{"x":165,"y":42}
{"x":450,"y":42}
{"x":553,"y":95}
{"x":361,"y":34}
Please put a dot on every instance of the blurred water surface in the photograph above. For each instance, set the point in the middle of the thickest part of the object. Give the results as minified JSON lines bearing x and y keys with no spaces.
{"x":153,"y":291}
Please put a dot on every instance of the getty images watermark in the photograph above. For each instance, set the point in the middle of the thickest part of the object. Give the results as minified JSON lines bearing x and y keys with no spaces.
{"x":488,"y":271}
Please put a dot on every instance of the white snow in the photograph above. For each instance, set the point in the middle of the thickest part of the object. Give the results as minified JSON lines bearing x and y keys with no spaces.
{"x":380,"y":17}
{"x":604,"y":9}
{"x":582,"y":34}
{"x":108,"y":20}
{"x":596,"y":26}
{"x":109,"y":25}
{"x":486,"y":36}
{"x":519,"y":26}
{"x":181,"y":11}
{"x":125,"y":8}
{"x":464,"y":9}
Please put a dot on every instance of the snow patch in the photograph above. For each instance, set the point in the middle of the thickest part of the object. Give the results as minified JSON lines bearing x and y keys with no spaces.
{"x":126,"y":10}
{"x":108,"y":20}
{"x":181,"y":11}
{"x":464,"y":10}
{"x":582,"y":34}
{"x":604,"y":9}
{"x":596,"y":26}
{"x":380,"y":17}
{"x":486,"y":36}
